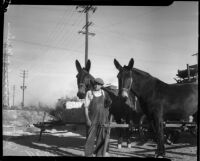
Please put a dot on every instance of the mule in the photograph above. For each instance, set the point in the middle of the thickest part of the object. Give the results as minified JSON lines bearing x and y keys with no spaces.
{"x":121,"y":111}
{"x":158,"y":100}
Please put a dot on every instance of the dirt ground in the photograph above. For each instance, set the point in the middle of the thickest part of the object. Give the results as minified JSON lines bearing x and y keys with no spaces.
{"x":70,"y":140}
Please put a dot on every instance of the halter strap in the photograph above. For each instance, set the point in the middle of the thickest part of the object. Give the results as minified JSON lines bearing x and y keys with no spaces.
{"x":125,"y":89}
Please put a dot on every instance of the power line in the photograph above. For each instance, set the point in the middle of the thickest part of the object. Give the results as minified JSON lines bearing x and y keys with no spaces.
{"x":61,"y":30}
{"x":53,"y":34}
{"x":68,"y":35}
{"x":45,"y":46}
{"x":71,"y":38}
{"x":60,"y":25}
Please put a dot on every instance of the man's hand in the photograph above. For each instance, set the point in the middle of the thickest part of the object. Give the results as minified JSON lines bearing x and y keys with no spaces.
{"x":88,"y":123}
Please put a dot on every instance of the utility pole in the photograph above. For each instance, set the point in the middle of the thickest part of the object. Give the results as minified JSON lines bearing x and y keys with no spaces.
{"x":7,"y":52}
{"x":13,"y":95}
{"x":86,"y":9}
{"x":23,"y":87}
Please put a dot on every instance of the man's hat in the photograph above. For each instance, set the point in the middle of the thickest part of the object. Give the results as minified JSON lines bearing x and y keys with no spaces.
{"x":99,"y":81}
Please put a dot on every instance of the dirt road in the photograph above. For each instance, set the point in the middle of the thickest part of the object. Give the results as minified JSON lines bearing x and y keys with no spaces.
{"x":69,"y":141}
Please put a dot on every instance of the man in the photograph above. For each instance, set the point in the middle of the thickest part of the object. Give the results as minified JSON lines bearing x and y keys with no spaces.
{"x":97,"y":103}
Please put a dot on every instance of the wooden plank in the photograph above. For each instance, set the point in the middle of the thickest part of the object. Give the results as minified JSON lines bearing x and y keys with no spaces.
{"x":114,"y":125}
{"x":173,"y":125}
{"x":179,"y":122}
{"x":107,"y":136}
{"x":180,"y":125}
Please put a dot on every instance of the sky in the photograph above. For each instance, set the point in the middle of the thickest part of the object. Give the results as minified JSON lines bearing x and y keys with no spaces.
{"x":45,"y":42}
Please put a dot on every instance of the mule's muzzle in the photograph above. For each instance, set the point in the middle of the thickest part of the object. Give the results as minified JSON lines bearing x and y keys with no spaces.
{"x":81,"y":91}
{"x":81,"y":95}
{"x":124,"y":94}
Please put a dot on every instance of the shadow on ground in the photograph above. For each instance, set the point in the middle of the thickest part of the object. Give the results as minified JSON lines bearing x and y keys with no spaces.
{"x":56,"y":145}
{"x":49,"y":143}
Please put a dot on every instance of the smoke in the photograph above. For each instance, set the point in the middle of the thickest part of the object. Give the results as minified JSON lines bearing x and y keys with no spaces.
{"x":48,"y":91}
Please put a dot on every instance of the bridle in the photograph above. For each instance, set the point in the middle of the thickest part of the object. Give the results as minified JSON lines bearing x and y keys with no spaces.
{"x":85,"y":85}
{"x":82,"y":85}
{"x":127,"y":89}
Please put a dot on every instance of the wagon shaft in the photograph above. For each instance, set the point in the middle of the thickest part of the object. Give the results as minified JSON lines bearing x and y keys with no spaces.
{"x":114,"y":125}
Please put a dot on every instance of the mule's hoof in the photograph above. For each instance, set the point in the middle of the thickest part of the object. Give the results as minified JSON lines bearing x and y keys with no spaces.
{"x":119,"y":146}
{"x":129,"y":145}
{"x":159,"y":156}
{"x":107,"y":154}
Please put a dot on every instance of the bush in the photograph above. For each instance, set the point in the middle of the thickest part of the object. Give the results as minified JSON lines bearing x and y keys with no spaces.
{"x":15,"y":108}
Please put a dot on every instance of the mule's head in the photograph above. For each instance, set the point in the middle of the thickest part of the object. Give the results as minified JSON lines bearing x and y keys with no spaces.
{"x":84,"y":79}
{"x":124,"y":78}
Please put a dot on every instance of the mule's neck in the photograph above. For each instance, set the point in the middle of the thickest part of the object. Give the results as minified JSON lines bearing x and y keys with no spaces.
{"x":143,"y":83}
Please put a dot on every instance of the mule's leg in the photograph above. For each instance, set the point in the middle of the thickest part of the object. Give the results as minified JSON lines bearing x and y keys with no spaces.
{"x":128,"y":132}
{"x":119,"y":135}
{"x":120,"y":138}
{"x":128,"y":137}
{"x":158,"y":122}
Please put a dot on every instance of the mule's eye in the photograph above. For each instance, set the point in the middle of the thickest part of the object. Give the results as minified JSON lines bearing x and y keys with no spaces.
{"x":77,"y":76}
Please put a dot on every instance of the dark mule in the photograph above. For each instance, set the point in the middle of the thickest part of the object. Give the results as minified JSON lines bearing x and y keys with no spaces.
{"x":121,"y":111}
{"x":158,"y":100}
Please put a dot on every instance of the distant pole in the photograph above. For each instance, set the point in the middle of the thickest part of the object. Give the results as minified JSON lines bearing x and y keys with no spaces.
{"x":13,"y":95}
{"x":188,"y":70}
{"x":23,"y":87}
{"x":86,"y":10}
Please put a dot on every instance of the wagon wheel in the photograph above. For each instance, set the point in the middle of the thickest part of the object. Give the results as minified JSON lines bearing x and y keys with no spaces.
{"x":145,"y":130}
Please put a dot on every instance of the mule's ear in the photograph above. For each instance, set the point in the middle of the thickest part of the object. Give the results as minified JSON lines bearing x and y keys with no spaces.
{"x":78,"y":66}
{"x":88,"y":65}
{"x":117,"y":65}
{"x":131,"y":63}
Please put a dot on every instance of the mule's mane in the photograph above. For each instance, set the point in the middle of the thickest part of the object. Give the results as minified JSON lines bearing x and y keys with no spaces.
{"x":140,"y":72}
{"x":137,"y":70}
